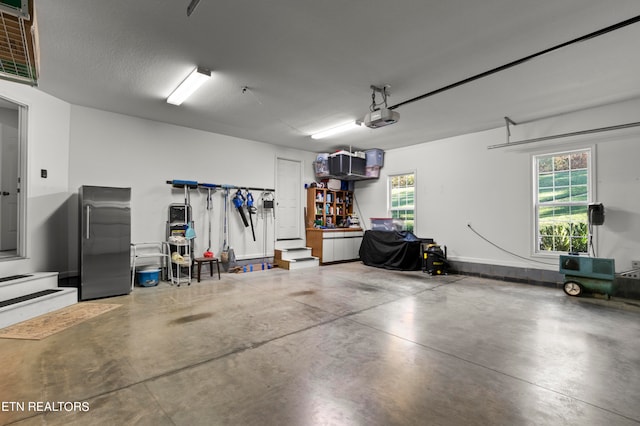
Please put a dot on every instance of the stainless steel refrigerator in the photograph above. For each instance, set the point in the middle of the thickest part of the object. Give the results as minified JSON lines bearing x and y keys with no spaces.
{"x":105,"y":242}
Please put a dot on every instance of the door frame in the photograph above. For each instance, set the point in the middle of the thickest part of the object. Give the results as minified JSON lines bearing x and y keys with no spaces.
{"x":301,"y":230}
{"x":22,"y":184}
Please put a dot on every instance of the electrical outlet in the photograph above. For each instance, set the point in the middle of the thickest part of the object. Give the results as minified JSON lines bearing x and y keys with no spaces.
{"x":635,"y":264}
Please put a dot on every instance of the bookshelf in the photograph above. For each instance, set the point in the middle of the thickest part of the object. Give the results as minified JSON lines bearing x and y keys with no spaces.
{"x":328,"y":207}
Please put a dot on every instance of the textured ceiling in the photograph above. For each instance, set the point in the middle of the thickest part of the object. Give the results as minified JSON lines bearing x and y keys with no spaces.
{"x":309,"y":65}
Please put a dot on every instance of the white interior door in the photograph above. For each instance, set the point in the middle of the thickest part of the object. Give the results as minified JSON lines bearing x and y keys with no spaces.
{"x":288,"y":199}
{"x":9,"y":188}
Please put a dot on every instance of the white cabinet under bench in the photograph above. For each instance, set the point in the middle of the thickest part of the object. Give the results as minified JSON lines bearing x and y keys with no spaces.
{"x":335,"y":245}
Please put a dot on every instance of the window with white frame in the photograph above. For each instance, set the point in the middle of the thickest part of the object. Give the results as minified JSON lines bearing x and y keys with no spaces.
{"x":402,"y":190}
{"x":562,"y":189}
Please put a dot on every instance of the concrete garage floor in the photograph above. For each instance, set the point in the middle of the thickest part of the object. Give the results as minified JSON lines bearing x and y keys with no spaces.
{"x":340,"y":345}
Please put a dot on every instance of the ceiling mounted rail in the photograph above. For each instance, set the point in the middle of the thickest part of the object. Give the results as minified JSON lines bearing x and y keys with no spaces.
{"x":192,"y":6}
{"x":508,"y":121}
{"x":565,"y":135}
{"x":589,"y":36}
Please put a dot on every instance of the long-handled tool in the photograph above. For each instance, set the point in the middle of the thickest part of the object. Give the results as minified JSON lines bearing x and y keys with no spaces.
{"x":224,"y":255}
{"x":251,"y":210}
{"x":267,"y":204}
{"x":227,"y":256}
{"x":189,"y":232}
{"x":211,"y":188}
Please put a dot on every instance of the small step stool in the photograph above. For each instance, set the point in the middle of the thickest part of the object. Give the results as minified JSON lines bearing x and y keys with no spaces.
{"x":200,"y":260}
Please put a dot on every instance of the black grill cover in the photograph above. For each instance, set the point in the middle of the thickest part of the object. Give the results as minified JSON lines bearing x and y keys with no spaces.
{"x":392,"y":250}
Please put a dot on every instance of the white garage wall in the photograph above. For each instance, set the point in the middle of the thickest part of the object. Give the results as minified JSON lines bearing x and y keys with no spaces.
{"x":108,"y":149}
{"x":460,"y":181}
{"x":82,"y":146}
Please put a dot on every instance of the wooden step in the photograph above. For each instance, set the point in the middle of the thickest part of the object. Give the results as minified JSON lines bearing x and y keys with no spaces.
{"x":292,"y":253}
{"x":300,"y":263}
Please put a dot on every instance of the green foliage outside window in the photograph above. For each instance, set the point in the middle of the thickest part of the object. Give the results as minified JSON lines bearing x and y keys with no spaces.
{"x":402,"y":199}
{"x":564,"y":237}
{"x":563,"y":195}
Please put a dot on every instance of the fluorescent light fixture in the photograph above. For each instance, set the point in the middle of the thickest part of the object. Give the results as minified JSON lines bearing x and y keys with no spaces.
{"x":335,"y":130}
{"x":189,"y":85}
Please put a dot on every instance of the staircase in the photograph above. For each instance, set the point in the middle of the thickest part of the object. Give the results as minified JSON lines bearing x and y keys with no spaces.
{"x":295,"y":258}
{"x":27,"y":296}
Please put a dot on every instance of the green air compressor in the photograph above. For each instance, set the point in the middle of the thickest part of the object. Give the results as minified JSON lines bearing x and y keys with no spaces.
{"x":434,"y":259}
{"x":594,"y":274}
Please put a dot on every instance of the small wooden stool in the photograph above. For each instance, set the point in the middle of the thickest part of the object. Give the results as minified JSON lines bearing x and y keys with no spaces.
{"x":200,"y":260}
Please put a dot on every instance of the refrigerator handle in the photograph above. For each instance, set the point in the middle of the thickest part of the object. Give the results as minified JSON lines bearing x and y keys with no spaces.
{"x":88,"y":224}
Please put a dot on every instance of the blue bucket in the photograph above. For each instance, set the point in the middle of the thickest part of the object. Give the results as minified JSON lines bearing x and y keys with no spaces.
{"x":148,"y":278}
